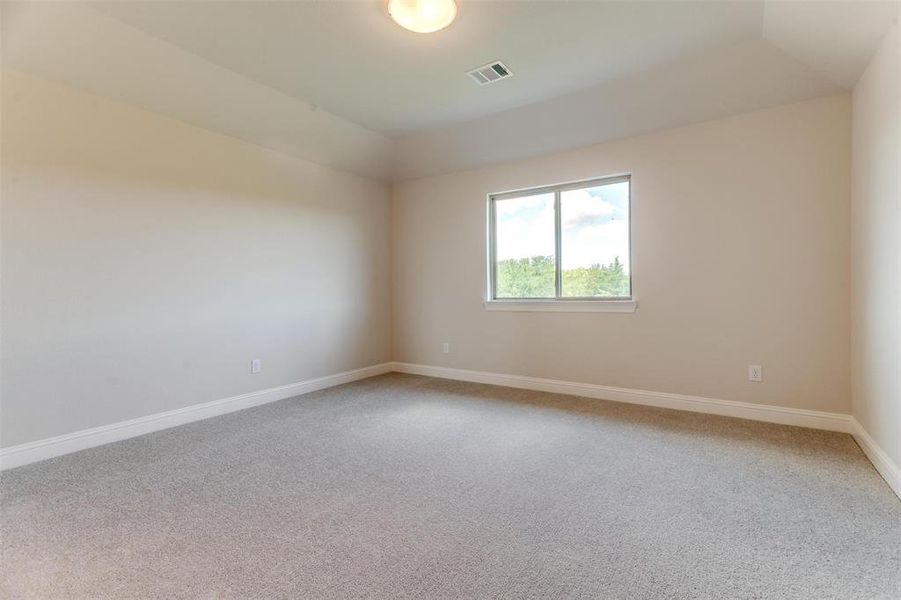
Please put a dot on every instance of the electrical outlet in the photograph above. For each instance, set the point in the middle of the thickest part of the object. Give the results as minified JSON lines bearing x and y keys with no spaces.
{"x":755,"y":373}
{"x":255,"y":366}
{"x":446,"y":347}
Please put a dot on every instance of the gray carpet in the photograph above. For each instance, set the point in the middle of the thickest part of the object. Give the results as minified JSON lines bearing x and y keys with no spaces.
{"x":410,"y":487}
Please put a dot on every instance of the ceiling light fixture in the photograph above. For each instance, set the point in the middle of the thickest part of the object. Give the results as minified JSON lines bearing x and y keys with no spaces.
{"x":423,"y":16}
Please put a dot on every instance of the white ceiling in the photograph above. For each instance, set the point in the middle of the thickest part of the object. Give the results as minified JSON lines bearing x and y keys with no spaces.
{"x":339,"y":83}
{"x":350,"y":58}
{"x":76,"y":45}
{"x":733,"y":79}
{"x":835,"y":38}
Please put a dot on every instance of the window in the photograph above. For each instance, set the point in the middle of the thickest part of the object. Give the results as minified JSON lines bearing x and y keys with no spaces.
{"x":561,"y":243}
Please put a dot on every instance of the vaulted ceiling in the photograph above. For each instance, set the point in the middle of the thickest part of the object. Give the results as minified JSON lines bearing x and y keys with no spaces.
{"x":339,"y":83}
{"x":350,"y":59}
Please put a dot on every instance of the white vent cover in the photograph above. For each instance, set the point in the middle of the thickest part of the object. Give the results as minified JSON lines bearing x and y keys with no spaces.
{"x":490,"y":73}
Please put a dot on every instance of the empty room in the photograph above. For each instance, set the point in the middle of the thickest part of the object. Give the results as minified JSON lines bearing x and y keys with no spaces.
{"x":450,"y":299}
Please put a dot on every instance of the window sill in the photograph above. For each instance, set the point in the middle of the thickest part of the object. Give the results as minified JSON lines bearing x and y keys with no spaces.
{"x":610,"y":306}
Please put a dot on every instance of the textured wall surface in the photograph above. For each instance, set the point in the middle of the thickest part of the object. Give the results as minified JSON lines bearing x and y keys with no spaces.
{"x":876,"y":250}
{"x":146,"y":262}
{"x":740,"y":255}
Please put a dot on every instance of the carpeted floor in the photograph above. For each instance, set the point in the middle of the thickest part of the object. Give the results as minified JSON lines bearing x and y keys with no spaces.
{"x":410,"y":487}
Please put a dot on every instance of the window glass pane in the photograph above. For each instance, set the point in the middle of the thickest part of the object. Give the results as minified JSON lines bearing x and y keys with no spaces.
{"x":525,"y":248}
{"x":594,"y":248}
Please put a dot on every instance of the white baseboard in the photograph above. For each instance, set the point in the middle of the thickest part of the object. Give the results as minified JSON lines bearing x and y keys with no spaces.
{"x":24,"y":454}
{"x":728,"y":408}
{"x":882,"y":461}
{"x":814,"y":419}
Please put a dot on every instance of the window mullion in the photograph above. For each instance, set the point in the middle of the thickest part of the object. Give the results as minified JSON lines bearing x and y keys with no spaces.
{"x":558,"y":273}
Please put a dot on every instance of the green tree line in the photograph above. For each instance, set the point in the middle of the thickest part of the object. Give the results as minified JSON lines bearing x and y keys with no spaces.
{"x":534,"y":278}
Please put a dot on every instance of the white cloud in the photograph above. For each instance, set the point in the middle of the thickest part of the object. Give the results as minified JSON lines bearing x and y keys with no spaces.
{"x":580,"y":207}
{"x":594,"y":244}
{"x":595,"y":226}
{"x":525,"y":227}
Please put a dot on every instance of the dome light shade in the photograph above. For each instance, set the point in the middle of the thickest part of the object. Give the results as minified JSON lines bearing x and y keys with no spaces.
{"x":423,"y":16}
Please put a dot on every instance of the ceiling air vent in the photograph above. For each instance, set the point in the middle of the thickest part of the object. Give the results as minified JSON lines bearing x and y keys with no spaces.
{"x":490,"y":73}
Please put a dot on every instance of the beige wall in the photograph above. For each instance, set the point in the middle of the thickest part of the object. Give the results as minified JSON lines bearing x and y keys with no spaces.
{"x":145,"y":262}
{"x":876,"y":249}
{"x":740,"y":247}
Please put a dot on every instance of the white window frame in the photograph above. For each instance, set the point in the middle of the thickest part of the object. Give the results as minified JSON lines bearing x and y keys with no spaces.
{"x":559,"y":303}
